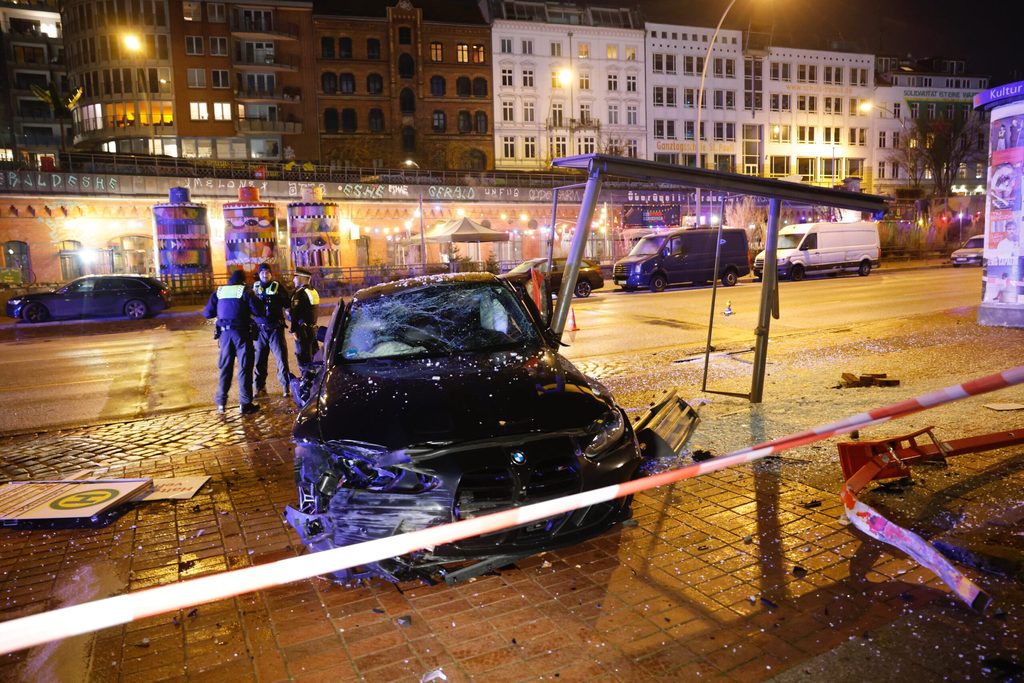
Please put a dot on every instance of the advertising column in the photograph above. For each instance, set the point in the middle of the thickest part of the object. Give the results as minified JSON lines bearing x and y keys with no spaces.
{"x":250,"y":236}
{"x":313,"y":231}
{"x":183,"y":240}
{"x":1003,"y":291}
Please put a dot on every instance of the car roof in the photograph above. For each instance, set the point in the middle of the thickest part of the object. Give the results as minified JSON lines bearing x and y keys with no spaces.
{"x":389,"y":288}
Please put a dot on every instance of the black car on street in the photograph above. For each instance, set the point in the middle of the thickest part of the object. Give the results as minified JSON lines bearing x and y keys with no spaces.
{"x":131,"y":296}
{"x":441,"y":398}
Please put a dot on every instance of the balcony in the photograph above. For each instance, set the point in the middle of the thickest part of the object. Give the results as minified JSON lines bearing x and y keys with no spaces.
{"x":556,"y":123}
{"x":265,"y":126}
{"x":113,"y":127}
{"x":265,"y":62}
{"x":269,"y":95}
{"x":263,"y":30}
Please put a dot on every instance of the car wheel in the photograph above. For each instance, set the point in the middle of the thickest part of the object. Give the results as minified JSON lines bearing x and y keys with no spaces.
{"x":729,"y":277}
{"x":583,"y":289}
{"x":956,"y":265}
{"x":35,"y":313}
{"x":864,"y":269}
{"x":797,"y":273}
{"x":658,"y":282}
{"x":135,"y":309}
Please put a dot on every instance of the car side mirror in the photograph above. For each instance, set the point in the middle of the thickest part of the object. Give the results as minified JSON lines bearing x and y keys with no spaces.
{"x":321,"y":333}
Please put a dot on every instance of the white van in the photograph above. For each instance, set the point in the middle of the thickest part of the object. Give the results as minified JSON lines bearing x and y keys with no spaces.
{"x":824,"y":248}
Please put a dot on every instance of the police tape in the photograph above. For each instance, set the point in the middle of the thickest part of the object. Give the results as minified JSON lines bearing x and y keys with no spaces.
{"x":65,"y":622}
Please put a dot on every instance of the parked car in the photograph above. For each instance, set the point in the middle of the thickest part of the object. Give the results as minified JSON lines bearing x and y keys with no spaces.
{"x":811,"y":248}
{"x":970,"y":253}
{"x":442,"y":398}
{"x":133,"y":296}
{"x":686,"y":255}
{"x":588,"y":279}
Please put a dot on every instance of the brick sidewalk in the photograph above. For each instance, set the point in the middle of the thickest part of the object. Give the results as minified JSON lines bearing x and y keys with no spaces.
{"x":732,"y":575}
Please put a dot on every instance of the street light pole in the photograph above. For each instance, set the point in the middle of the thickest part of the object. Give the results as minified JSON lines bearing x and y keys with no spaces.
{"x":700,"y":96}
{"x":423,"y":236}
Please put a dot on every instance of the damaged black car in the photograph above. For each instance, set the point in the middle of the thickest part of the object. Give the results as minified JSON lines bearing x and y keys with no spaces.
{"x":443,"y":398}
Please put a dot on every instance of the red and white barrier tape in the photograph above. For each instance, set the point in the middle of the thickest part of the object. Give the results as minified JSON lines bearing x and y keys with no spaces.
{"x":92,"y":616}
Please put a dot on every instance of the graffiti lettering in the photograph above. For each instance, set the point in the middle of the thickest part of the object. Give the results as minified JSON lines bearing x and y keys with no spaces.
{"x":447,"y":192}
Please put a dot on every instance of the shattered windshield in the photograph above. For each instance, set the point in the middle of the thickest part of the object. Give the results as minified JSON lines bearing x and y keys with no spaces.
{"x":791,"y":241}
{"x":437,"y":319}
{"x":648,"y":246}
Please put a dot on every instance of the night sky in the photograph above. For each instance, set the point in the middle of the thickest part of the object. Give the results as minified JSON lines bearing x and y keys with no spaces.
{"x":984,"y":32}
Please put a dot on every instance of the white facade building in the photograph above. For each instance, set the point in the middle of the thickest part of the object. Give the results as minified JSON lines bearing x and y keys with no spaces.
{"x":675,"y":59}
{"x":567,"y":80}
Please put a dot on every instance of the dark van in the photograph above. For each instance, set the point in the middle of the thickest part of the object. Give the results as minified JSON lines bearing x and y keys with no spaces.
{"x":686,"y":255}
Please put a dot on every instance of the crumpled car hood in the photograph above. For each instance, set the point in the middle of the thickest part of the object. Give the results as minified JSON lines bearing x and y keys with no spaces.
{"x":465,"y":397}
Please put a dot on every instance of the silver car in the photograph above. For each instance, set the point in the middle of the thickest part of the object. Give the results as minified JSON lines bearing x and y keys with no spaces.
{"x":970,"y":254}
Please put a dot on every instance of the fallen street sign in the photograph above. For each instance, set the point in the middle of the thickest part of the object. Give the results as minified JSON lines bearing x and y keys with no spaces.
{"x":23,"y":501}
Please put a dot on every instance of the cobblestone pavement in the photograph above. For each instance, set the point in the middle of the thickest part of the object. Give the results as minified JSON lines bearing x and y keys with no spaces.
{"x":744,"y":575}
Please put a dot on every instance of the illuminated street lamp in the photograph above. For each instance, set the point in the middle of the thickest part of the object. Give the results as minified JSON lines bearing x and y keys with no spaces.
{"x":700,"y":95}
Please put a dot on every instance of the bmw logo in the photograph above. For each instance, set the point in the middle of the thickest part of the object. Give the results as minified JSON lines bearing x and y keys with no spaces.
{"x":518,"y":458}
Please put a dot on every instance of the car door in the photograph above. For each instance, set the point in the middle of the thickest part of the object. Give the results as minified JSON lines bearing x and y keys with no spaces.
{"x":812,"y":255}
{"x":107,"y":294}
{"x":674,"y":258}
{"x":73,"y":300}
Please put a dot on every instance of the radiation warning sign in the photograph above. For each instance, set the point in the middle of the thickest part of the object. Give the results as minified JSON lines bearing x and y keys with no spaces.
{"x":42,"y":500}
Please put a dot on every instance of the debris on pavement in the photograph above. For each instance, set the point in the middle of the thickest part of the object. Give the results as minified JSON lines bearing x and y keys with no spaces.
{"x":1004,"y":406}
{"x":871,"y":379}
{"x":699,"y":455}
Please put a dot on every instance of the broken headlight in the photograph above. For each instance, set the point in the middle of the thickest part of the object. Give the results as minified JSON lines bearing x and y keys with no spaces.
{"x":609,"y":430}
{"x":365,"y":467}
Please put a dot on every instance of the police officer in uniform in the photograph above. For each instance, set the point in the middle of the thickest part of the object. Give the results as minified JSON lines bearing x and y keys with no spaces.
{"x":233,"y":306}
{"x":271,"y":302}
{"x":303,"y":312}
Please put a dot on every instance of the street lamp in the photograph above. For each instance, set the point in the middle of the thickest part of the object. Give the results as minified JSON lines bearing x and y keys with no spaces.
{"x":700,"y":95}
{"x":409,"y":163}
{"x":133,"y":44}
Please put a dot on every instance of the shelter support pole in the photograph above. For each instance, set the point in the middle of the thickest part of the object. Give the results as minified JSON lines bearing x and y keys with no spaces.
{"x":423,"y":237}
{"x":769,"y":293}
{"x":579,"y":243}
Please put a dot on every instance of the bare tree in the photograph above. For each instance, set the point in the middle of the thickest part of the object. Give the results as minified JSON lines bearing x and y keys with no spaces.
{"x":939,"y":145}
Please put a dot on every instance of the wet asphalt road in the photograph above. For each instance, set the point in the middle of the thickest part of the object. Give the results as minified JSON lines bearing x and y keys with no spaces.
{"x":67,"y":377}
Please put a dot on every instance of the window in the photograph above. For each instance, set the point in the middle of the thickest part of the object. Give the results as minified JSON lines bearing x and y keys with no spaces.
{"x":507,"y":78}
{"x":192,"y":11}
{"x":407,"y":101}
{"x":659,"y":96}
{"x":612,"y":52}
{"x":330,"y":120}
{"x":344,"y":48}
{"x":508,"y":111}
{"x":833,"y":135}
{"x":348,"y":121}
{"x":372,"y":48}
{"x":196,"y":78}
{"x":479,"y":87}
{"x":613,"y":82}
{"x":587,"y":144}
{"x":559,"y":146}
{"x":631,"y":115}
{"x":374,"y":84}
{"x":437,"y":86}
{"x":220,"y":78}
{"x":405,"y":36}
{"x":406,"y":66}
{"x":462,"y":53}
{"x":530,"y":147}
{"x":527,"y":46}
{"x":881,"y":138}
{"x":215,"y":13}
{"x":193,"y":45}
{"x":198,"y":111}
{"x":630,"y":54}
{"x":583,"y":50}
{"x":585,"y":117}
{"x":805,"y":134}
{"x":584,"y":80}
{"x":436,"y":52}
{"x":463,"y":86}
{"x":222,"y":111}
{"x":329,"y":83}
{"x":347,"y":83}
{"x":881,"y":170}
{"x":630,"y":83}
{"x":780,"y":134}
{"x":505,"y":46}
{"x":527,"y":78}
{"x":613,"y":114}
{"x":218,"y":46}
{"x":556,"y":49}
{"x":481,"y":122}
{"x":508,"y":147}
{"x":465,"y":122}
{"x":479,"y":54}
{"x":376,"y":120}
{"x":439,"y":122}
{"x":528,"y":112}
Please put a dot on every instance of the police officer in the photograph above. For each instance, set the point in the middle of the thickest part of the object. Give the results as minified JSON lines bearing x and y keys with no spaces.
{"x":233,"y":306}
{"x":303,"y":312}
{"x":271,"y":303}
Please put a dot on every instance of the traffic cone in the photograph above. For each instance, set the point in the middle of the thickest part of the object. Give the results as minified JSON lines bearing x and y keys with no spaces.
{"x":572,"y":320}
{"x":728,"y":308}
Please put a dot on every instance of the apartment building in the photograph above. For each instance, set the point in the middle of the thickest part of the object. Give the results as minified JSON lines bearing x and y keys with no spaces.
{"x":408,"y":84}
{"x":192,"y":79}
{"x":569,"y":79}
{"x":31,"y":55}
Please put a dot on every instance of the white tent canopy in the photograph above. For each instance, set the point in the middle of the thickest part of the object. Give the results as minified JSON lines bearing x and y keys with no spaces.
{"x":464,"y":230}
